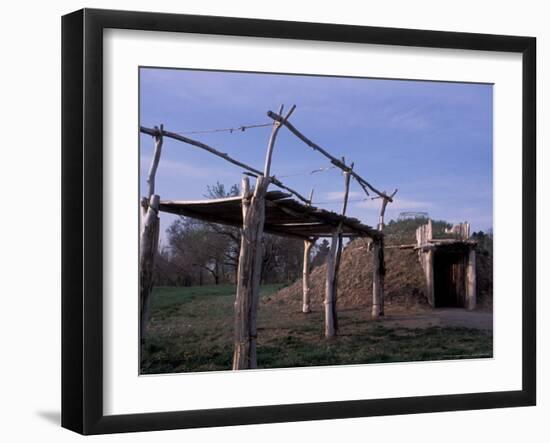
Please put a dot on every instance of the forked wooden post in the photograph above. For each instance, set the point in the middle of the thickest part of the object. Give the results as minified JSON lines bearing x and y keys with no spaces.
{"x":385,"y":201}
{"x":248,"y":275}
{"x":308,"y":244}
{"x":149,"y":238}
{"x":333,"y":265}
{"x":250,"y":263}
{"x":379,"y":263}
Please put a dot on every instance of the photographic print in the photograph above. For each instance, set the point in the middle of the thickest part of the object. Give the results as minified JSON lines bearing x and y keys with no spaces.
{"x":300,"y":220}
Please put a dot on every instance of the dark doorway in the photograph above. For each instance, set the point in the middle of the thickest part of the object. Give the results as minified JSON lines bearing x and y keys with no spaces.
{"x":449,"y":278}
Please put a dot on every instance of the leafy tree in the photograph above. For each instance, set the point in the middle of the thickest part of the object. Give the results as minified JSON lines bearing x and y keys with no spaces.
{"x":320,"y":253}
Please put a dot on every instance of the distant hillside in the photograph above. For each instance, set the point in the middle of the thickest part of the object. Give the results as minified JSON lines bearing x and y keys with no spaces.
{"x":404,"y":283}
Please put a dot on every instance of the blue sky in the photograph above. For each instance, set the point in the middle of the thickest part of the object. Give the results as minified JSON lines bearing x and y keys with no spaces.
{"x":431,"y":140}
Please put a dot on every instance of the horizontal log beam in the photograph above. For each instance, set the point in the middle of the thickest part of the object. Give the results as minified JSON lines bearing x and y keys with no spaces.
{"x":155,"y":132}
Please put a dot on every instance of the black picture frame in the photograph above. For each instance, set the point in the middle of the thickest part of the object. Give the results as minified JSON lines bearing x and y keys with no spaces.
{"x":82,"y":154}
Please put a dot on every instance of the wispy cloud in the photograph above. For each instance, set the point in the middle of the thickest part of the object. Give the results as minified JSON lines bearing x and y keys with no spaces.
{"x":411,"y":118}
{"x":174,"y":168}
{"x":339,"y":195}
{"x":398,"y":204}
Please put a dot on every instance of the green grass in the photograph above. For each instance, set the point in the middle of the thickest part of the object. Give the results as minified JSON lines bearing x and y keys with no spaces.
{"x":191,"y":330}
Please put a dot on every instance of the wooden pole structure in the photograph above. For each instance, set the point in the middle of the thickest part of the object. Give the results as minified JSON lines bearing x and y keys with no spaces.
{"x":308,"y":244}
{"x":471,"y":280}
{"x":330,"y":327}
{"x":429,"y":272}
{"x":377,"y":268}
{"x":385,"y":201}
{"x":333,"y":265}
{"x":255,"y":172}
{"x":147,"y":251}
{"x":338,"y":163}
{"x":248,"y":275}
{"x":250,"y":263}
{"x":149,"y":237}
{"x":154,"y":162}
{"x":379,"y":263}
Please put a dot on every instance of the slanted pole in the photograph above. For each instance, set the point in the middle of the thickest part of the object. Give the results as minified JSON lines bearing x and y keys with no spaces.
{"x":308,"y":244}
{"x":471,"y":283}
{"x":276,"y":127}
{"x":154,"y":162}
{"x":385,"y":200}
{"x":149,"y":237}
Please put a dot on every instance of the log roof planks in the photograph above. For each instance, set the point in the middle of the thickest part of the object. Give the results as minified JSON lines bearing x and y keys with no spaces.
{"x":283,"y":216}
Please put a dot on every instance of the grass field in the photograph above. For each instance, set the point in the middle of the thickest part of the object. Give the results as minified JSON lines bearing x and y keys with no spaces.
{"x":191,"y":330}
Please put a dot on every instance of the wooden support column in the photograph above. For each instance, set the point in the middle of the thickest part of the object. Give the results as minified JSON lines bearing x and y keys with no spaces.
{"x":471,"y":280}
{"x":333,"y":265}
{"x":330,"y":296}
{"x":248,"y":275}
{"x":429,"y":272}
{"x":308,"y":244}
{"x":377,"y":278}
{"x":155,"y":162}
{"x":250,"y":262}
{"x":378,"y":307}
{"x":381,"y":276}
{"x":147,"y":251}
{"x":149,"y":237}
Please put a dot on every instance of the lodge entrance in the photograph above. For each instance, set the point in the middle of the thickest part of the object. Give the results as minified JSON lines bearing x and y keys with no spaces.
{"x":450,"y":278}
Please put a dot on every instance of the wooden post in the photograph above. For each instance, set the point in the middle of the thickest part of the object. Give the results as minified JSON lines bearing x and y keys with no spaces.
{"x":276,"y":127}
{"x":471,"y":280}
{"x":333,"y":265}
{"x":429,"y":272}
{"x":147,"y":251}
{"x":381,"y":276}
{"x":249,"y":273}
{"x":378,"y":309}
{"x":250,"y":263}
{"x":308,"y":244}
{"x":330,"y":321}
{"x":149,"y":237}
{"x":154,"y":162}
{"x":377,"y":260}
{"x":385,"y":200}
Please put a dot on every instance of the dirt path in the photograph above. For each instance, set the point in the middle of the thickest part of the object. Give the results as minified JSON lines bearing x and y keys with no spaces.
{"x":452,"y":317}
